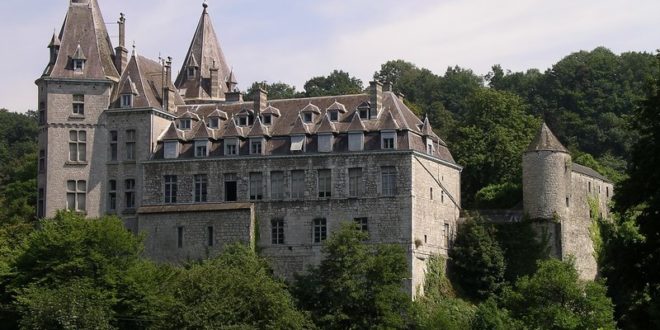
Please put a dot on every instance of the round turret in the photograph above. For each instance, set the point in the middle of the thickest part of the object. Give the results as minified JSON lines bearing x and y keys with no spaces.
{"x":546,"y":177}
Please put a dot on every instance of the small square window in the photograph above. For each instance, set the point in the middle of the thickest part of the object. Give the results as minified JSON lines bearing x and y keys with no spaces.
{"x":308,"y":117}
{"x":256,"y":147}
{"x":201,"y":149}
{"x":242,"y":121}
{"x":268,"y":119}
{"x":364,"y":113}
{"x":127,"y":101}
{"x":231,"y":147}
{"x":78,"y":65}
{"x":191,"y":72}
{"x":214,"y":123}
{"x":185,"y":124}
{"x":334,"y":115}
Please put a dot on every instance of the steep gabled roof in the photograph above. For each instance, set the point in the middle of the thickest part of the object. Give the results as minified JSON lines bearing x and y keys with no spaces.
{"x":326,"y":126}
{"x":217,"y":113}
{"x":356,"y":124}
{"x":146,"y":77}
{"x":201,"y":132}
{"x":84,"y":26}
{"x":54,"y":41}
{"x":271,"y":110}
{"x":299,"y":127}
{"x":311,"y":108}
{"x":172,"y":133}
{"x":258,"y":129}
{"x":205,"y":53}
{"x":232,"y":130}
{"x":545,"y":140}
{"x":129,"y":87}
{"x":388,"y":122}
{"x":337,"y":106}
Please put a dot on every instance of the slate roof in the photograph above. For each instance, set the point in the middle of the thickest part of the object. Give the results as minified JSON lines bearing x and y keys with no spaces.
{"x":146,"y":77}
{"x":326,"y":126}
{"x":84,"y":26}
{"x":589,"y":172}
{"x":205,"y":53}
{"x":545,"y":140}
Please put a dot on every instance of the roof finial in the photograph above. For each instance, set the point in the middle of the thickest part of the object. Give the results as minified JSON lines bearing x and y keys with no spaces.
{"x":205,"y":4}
{"x":134,"y":52}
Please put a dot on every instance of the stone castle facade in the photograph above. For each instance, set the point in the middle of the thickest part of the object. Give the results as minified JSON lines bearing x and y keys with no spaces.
{"x":194,"y":166}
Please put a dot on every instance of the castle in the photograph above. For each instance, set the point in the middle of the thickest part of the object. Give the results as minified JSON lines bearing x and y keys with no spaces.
{"x":194,"y":167}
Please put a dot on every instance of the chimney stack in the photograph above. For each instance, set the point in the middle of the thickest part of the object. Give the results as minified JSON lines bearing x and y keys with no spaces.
{"x":121,"y":53}
{"x":260,"y":100}
{"x":168,"y":94}
{"x":215,"y":82}
{"x":376,"y":98}
{"x":387,"y":87}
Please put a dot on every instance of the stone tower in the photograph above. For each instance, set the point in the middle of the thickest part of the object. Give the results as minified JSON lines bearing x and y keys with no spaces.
{"x":74,"y":91}
{"x":546,"y":185}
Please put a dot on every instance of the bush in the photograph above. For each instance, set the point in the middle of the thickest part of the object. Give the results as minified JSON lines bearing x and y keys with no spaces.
{"x":498,"y":196}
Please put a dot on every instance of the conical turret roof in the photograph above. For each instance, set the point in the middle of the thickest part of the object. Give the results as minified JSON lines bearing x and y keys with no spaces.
{"x":205,"y":53}
{"x":545,"y":140}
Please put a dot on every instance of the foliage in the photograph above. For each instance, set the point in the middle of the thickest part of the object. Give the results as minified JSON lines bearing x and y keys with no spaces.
{"x":491,"y":139}
{"x":555,"y":298}
{"x":477,"y":261}
{"x":523,"y":248}
{"x":489,"y":316}
{"x":498,"y":196}
{"x":446,"y":313}
{"x":337,"y":83}
{"x":356,"y":286}
{"x":236,"y":289}
{"x":276,"y":91}
{"x":74,"y":305}
{"x":632,"y":253}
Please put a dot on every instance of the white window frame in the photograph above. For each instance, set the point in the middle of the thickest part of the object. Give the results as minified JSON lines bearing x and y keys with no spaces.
{"x":298,"y":143}
{"x":355,"y":141}
{"x":231,"y":142}
{"x":326,"y":142}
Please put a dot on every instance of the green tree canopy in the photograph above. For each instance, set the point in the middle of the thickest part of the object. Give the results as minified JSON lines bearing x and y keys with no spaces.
{"x":337,"y":83}
{"x":356,"y":286}
{"x":276,"y":91}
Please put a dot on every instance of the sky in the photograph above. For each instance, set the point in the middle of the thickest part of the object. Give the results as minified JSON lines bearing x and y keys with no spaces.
{"x":294,"y":40}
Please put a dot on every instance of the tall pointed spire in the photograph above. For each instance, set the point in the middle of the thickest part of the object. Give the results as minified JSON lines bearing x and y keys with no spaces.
{"x":84,"y":27}
{"x":545,"y":140}
{"x":206,"y":56}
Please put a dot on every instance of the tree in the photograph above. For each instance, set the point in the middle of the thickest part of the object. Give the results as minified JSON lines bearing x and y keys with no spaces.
{"x":555,"y":298}
{"x":276,"y":91}
{"x":632,"y":250}
{"x":477,"y":261}
{"x":234,"y":290}
{"x":356,"y":286}
{"x":490,"y":140}
{"x":337,"y":83}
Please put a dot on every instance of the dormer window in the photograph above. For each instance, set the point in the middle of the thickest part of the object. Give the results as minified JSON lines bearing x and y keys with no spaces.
{"x":78,"y":65}
{"x":171,"y":149}
{"x":364,"y":113}
{"x":256,"y":146}
{"x":185,"y":124}
{"x":334,"y":115}
{"x":214,"y":123}
{"x":268,"y":119}
{"x":127,"y":101}
{"x":429,"y":147}
{"x":243,"y":121}
{"x":192,"y":71}
{"x":308,"y":117}
{"x":201,"y":148}
{"x":388,"y":140}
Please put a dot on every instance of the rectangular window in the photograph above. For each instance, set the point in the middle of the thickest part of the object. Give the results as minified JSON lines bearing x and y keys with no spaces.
{"x":447,"y":236}
{"x":268,"y":119}
{"x":431,"y":193}
{"x":568,"y":203}
{"x":607,"y":192}
{"x":256,"y":147}
{"x":277,"y":185}
{"x":308,"y":117}
{"x":42,"y":161}
{"x":76,"y":192}
{"x":201,"y":183}
{"x":242,"y":121}
{"x":442,"y":196}
{"x":112,"y":195}
{"x":185,"y":124}
{"x":364,"y":113}
{"x":429,"y":147}
{"x":201,"y":149}
{"x":126,"y":101}
{"x":231,"y":187}
{"x":78,"y":65}
{"x":79,"y":104}
{"x":355,"y":141}
{"x":129,"y":193}
{"x":320,"y":230}
{"x":209,"y":236}
{"x":334,"y":115}
{"x":41,"y":207}
{"x":171,"y":149}
{"x":130,"y":144}
{"x":362,"y":223}
{"x":298,"y":184}
{"x":277,"y":231}
{"x":171,"y":188}
{"x":388,"y":140}
{"x":388,"y":174}
{"x":179,"y":237}
{"x":354,"y":182}
{"x":113,"y":145}
{"x":214,"y":123}
{"x":42,"y":113}
{"x":78,"y":146}
{"x":298,"y":143}
{"x":231,"y":147}
{"x":256,"y":186}
{"x":325,"y":142}
{"x":325,"y":183}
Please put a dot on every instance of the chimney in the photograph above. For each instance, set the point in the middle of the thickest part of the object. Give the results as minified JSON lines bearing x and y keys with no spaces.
{"x":215,"y":82}
{"x":168,"y":94}
{"x":260,"y":99}
{"x":376,"y":98}
{"x":234,"y":96}
{"x":121,"y":53}
{"x":387,"y":87}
